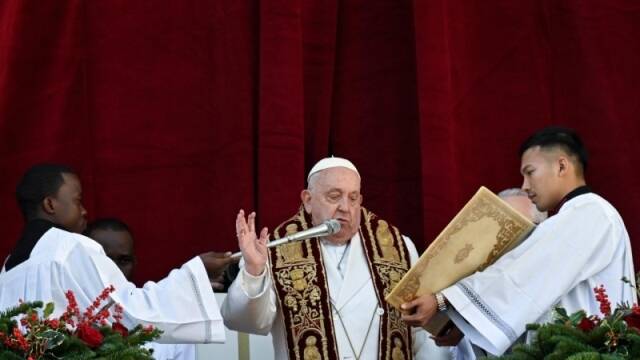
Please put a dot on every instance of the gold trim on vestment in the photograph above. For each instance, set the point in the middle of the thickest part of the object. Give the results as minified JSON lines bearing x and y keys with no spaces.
{"x":300,"y":283}
{"x":388,"y":262}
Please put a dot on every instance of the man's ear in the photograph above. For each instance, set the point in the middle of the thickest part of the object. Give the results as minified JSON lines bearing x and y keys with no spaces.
{"x":48,"y":206}
{"x":305,"y":196}
{"x":563,"y":166}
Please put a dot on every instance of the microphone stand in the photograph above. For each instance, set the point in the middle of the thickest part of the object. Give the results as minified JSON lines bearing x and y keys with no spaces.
{"x":284,"y":240}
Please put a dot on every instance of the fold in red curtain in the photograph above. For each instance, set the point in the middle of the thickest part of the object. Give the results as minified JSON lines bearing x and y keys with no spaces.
{"x":177,"y":114}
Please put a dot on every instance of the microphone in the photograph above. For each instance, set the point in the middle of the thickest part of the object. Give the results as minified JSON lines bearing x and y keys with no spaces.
{"x":328,"y":227}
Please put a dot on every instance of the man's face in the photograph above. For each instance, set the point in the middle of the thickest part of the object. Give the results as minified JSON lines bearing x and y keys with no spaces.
{"x":67,"y":205}
{"x":540,"y":170}
{"x":334,"y":193}
{"x":118,"y":245}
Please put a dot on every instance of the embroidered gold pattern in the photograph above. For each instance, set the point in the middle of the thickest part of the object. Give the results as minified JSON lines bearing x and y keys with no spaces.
{"x":300,"y":292}
{"x":463,"y":254}
{"x":388,"y":266}
{"x":311,"y":351}
{"x":397,"y":353}
{"x":484,"y":208}
{"x":385,"y":239}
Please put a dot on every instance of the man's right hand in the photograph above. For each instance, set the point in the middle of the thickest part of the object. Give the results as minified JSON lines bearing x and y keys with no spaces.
{"x":254,"y":249}
{"x":215,"y":263}
{"x":421,"y":310}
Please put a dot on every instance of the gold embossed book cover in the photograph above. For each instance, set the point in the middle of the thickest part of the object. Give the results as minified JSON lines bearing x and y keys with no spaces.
{"x":485,"y":229}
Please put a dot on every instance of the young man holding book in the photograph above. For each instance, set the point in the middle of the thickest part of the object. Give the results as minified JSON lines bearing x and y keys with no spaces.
{"x":584,"y":245}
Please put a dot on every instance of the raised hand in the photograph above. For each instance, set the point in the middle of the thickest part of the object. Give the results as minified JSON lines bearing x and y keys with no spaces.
{"x":254,"y":249}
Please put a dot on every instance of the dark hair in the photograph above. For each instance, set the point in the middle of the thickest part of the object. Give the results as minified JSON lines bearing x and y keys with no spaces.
{"x":557,"y":136}
{"x":38,"y":182}
{"x":106,"y":224}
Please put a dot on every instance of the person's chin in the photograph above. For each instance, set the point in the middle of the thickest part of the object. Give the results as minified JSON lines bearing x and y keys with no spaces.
{"x":80,"y":228}
{"x":339,"y":239}
{"x":541,"y":207}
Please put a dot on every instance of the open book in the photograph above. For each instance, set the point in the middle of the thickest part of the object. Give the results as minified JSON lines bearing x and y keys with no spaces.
{"x":485,"y":229}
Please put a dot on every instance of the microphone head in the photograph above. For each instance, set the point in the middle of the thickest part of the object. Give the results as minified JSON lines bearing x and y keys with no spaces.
{"x":333,"y":226}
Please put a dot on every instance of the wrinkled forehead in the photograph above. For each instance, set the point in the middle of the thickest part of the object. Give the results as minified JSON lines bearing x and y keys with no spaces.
{"x":338,"y":178}
{"x":518,"y":200}
{"x":522,"y":204}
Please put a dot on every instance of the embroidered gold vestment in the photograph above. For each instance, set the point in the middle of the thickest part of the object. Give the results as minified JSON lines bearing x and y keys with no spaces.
{"x":300,"y":281}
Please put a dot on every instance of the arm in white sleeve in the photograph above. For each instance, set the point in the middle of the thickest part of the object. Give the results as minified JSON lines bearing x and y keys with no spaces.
{"x":250,"y":305}
{"x":182,"y":305}
{"x":560,"y":254}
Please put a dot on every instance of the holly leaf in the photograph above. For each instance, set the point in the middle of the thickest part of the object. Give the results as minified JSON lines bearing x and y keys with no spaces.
{"x":48,"y":310}
{"x":577,"y":316}
{"x":561,"y":314}
{"x":54,"y":338}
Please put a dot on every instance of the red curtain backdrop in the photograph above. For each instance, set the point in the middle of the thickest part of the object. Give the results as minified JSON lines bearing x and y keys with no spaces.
{"x":178,"y":113}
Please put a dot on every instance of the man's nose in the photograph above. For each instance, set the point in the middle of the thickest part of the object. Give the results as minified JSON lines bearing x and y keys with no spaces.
{"x":525,"y":185}
{"x":344,"y":204}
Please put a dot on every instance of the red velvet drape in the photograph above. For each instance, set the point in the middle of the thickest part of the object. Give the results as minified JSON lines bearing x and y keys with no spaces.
{"x":178,"y":113}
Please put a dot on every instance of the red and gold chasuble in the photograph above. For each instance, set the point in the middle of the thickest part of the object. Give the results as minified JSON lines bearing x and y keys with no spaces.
{"x":300,"y":282}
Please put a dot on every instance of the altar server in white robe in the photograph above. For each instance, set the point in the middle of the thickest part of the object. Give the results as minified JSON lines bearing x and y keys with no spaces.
{"x":52,"y":257}
{"x":116,"y":239}
{"x":583,"y":246}
{"x":252,"y":306}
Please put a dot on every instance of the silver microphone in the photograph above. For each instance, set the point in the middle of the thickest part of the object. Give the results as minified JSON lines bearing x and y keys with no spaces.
{"x":328,"y":227}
